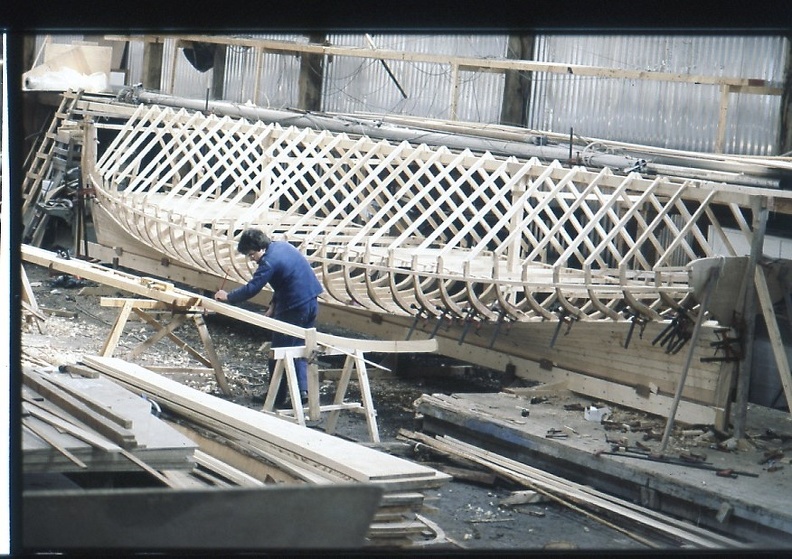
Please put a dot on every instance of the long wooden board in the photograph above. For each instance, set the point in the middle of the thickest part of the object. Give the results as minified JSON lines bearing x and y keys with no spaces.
{"x":360,"y":463}
{"x":165,"y":292}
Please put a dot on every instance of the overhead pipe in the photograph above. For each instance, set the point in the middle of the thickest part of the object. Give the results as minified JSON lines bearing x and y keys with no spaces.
{"x":532,"y":146}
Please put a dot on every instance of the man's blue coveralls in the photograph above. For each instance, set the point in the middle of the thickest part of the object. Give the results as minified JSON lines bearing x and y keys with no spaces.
{"x":295,"y":288}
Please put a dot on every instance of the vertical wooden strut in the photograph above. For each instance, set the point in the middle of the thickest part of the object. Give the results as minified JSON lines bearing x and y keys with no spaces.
{"x":712,"y":280}
{"x":748,"y":310}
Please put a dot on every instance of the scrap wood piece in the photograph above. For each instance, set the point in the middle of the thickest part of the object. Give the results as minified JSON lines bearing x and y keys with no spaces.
{"x":646,"y":517}
{"x":144,"y":466}
{"x":469,"y":475}
{"x":434,"y":527}
{"x":116,"y":433}
{"x":526,"y":497}
{"x":29,"y":303}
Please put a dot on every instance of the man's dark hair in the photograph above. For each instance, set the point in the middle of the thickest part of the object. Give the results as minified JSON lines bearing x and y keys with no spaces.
{"x":252,"y":240}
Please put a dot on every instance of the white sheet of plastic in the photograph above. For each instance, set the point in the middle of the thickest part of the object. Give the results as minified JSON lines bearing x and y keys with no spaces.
{"x":65,"y":79}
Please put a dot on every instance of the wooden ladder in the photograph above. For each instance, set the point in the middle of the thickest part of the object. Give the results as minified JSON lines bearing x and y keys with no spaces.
{"x":42,"y":161}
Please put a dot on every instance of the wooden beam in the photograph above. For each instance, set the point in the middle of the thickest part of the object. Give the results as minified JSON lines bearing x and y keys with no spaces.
{"x":747,"y":308}
{"x":467,"y":63}
{"x":517,"y":84}
{"x":152,"y":64}
{"x":311,"y":77}
{"x":154,"y":289}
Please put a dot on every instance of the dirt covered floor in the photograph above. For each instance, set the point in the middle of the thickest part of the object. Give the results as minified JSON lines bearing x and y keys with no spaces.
{"x":470,"y":514}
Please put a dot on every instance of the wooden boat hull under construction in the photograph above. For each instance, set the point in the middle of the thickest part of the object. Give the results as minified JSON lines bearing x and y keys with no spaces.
{"x":559,"y":272}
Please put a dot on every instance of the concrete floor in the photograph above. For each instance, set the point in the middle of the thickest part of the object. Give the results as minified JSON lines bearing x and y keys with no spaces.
{"x":753,"y":509}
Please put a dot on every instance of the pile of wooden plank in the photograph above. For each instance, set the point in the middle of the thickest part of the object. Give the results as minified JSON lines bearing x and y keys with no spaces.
{"x":309,"y":455}
{"x":78,"y":424}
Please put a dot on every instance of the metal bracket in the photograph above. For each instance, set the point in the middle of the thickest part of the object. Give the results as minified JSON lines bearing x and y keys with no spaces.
{"x":565,"y":318}
{"x":636,"y":319}
{"x":676,"y":333}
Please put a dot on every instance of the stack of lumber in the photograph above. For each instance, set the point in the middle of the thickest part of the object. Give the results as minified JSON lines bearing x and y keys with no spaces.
{"x":644,"y":525}
{"x":76,"y":424}
{"x":310,"y":455}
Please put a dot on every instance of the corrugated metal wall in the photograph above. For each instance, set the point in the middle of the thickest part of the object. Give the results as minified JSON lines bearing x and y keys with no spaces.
{"x":669,"y":115}
{"x":358,"y":85}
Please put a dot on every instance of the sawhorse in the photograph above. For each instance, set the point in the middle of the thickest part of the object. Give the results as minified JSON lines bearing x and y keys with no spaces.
{"x":144,"y":308}
{"x":285,"y":364}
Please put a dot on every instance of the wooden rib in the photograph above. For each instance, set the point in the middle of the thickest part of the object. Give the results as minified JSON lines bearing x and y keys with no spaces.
{"x":346,"y":195}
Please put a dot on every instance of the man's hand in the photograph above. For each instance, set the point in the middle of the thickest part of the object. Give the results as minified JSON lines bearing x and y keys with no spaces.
{"x":221,"y":295}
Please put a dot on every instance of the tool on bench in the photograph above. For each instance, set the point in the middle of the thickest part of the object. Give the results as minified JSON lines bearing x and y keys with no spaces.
{"x":556,"y":434}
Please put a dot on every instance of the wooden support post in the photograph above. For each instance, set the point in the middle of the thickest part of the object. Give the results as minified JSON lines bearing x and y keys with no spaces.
{"x":748,"y":293}
{"x":162,"y":331}
{"x":294,"y":390}
{"x":211,"y":354}
{"x":275,"y":379}
{"x":285,"y":366}
{"x":311,"y":76}
{"x":517,"y":85}
{"x":365,"y":394}
{"x":139,"y":306}
{"x":341,"y":388}
{"x":454,"y":102}
{"x":218,"y":72}
{"x":29,"y":303}
{"x":723,"y":112}
{"x":354,"y":361}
